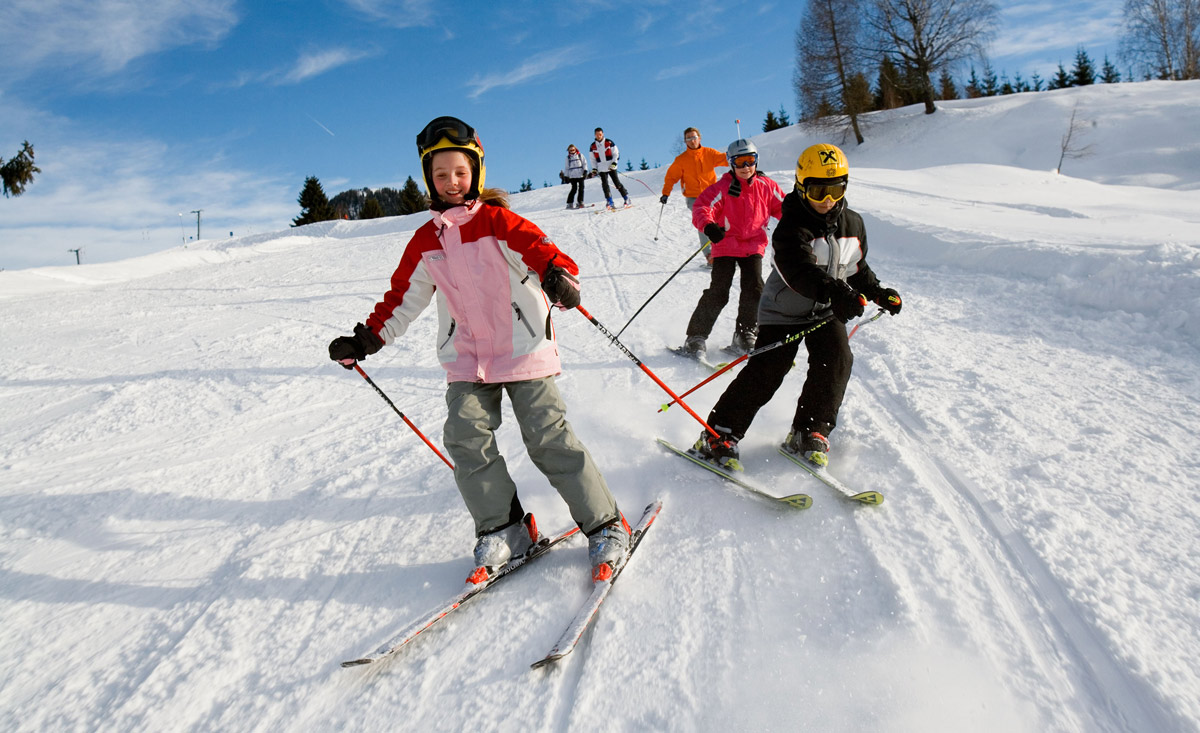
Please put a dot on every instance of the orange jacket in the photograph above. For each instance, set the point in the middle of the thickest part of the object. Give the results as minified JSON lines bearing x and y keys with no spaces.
{"x":696,"y":168}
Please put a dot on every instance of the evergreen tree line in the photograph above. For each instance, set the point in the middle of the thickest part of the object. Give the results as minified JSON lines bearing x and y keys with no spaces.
{"x":358,"y":203}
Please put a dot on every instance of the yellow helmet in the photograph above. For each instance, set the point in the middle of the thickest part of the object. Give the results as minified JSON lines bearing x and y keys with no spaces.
{"x":821,"y":161}
{"x":450,"y":133}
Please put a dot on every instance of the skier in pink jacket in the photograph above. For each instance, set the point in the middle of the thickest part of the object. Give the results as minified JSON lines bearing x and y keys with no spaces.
{"x":491,"y":272}
{"x":733,"y":213}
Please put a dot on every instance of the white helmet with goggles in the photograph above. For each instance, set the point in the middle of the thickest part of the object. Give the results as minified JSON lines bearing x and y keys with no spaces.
{"x":741,"y":154}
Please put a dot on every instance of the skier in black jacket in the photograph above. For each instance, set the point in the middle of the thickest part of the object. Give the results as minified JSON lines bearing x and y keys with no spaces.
{"x":820,"y":273}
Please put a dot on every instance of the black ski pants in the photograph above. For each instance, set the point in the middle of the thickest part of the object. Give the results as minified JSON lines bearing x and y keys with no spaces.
{"x":604,"y":176}
{"x":829,"y":363}
{"x":714,"y":298}
{"x":576,"y":185}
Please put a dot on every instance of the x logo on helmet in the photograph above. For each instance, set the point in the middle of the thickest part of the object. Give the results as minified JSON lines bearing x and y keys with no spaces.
{"x":828,"y":156}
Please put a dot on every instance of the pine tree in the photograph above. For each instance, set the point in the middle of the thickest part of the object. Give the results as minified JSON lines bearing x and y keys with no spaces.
{"x":314,"y":204}
{"x":946,"y":88}
{"x":888,"y":94}
{"x":784,"y":121}
{"x":526,"y":185}
{"x":629,"y":165}
{"x":991,"y":86}
{"x":411,"y":198}
{"x":858,"y":95}
{"x":1084,"y":72}
{"x":1061,"y":80}
{"x":973,"y":88}
{"x":770,"y":123}
{"x":1109,"y":73}
{"x":644,"y":166}
{"x":1036,"y":85}
{"x":371,"y":209}
{"x":18,"y":171}
{"x":1006,"y":86}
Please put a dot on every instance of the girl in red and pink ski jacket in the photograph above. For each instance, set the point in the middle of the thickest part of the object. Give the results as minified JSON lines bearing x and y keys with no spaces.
{"x":483,"y":265}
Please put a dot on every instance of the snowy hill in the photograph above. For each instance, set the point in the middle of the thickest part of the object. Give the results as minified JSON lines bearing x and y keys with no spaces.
{"x":201,"y":516}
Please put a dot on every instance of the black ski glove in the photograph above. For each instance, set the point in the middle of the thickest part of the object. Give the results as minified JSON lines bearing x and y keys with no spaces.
{"x":714,"y":233}
{"x":561,"y":287}
{"x":846,"y":301}
{"x":889,"y":300}
{"x":354,"y":348}
{"x":664,"y":198}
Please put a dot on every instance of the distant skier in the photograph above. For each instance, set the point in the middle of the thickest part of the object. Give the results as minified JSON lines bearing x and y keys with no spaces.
{"x":605,"y":158}
{"x":488,"y":268}
{"x":574,"y":172}
{"x":733,"y":213}
{"x":820,"y":271}
{"x":696,"y":168}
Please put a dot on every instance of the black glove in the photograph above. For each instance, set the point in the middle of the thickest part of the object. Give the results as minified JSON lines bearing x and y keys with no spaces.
{"x":714,"y":233}
{"x":664,"y":198}
{"x":354,"y":348}
{"x":561,"y":287}
{"x":889,"y":300}
{"x":846,"y":301}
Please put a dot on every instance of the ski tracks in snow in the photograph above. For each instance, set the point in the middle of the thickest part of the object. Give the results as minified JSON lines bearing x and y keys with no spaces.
{"x":1024,"y":612}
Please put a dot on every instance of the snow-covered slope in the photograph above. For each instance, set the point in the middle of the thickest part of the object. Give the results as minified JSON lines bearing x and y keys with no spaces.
{"x":200,"y":515}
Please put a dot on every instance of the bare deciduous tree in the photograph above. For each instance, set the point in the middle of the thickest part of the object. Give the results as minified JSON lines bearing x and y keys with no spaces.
{"x":1072,"y":146}
{"x":1162,"y":37}
{"x":926,"y":36}
{"x":828,"y":58}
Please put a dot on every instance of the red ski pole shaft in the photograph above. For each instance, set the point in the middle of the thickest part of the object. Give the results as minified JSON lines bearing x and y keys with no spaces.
{"x":746,"y":356}
{"x":711,"y":377}
{"x":646,"y":369}
{"x":407,"y":422}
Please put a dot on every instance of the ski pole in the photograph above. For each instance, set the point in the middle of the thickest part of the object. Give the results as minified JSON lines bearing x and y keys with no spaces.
{"x":660,"y":213}
{"x":860,"y":324}
{"x":660,"y":287}
{"x":743,"y":357}
{"x":646,"y":369}
{"x":726,"y":367}
{"x":407,"y":422}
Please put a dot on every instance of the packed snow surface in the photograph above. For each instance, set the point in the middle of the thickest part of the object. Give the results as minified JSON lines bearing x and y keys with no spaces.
{"x":201,"y":516}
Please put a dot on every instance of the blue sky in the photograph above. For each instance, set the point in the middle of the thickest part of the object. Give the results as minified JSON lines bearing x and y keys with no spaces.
{"x":141,"y":111}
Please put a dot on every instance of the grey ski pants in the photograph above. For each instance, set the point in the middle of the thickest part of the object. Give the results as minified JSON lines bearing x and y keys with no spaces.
{"x":481,"y":473}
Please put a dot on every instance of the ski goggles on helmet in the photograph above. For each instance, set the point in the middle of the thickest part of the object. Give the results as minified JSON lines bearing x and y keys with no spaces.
{"x":448,"y":128}
{"x":818,"y":190}
{"x":744,"y":161}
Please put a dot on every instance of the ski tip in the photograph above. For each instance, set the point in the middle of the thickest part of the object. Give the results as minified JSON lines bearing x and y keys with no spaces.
{"x":869,"y":497}
{"x":546,"y":661}
{"x":800,"y":501}
{"x":356,"y":662}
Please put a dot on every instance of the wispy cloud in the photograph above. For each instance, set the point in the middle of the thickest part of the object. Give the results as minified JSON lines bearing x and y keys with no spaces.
{"x":104,"y":36}
{"x":537,"y":66}
{"x":315,"y":64}
{"x":396,"y":13}
{"x":307,"y":66}
{"x":1030,"y":28}
{"x":674,"y":71}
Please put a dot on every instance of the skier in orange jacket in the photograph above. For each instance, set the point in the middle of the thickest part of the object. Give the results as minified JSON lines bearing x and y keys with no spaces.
{"x":696,"y":168}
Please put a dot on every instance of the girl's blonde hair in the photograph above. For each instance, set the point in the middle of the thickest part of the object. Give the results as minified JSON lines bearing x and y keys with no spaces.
{"x":494,"y":197}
